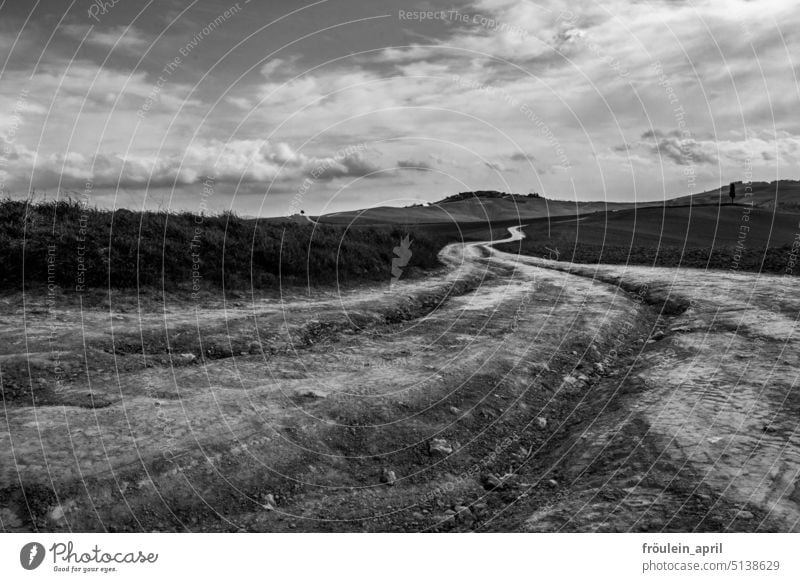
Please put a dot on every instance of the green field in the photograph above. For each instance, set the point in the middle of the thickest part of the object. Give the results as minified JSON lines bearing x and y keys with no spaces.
{"x":710,"y":236}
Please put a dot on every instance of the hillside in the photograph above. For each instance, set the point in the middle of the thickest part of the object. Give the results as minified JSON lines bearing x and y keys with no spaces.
{"x":689,"y":226}
{"x":780,"y":195}
{"x":492,"y":206}
{"x":471,"y":207}
{"x":721,"y":237}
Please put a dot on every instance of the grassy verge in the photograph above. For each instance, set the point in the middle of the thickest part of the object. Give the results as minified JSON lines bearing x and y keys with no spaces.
{"x":72,"y":247}
{"x":758,"y":260}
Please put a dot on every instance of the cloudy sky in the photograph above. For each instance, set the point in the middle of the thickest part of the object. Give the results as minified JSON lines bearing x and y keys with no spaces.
{"x":339,"y":104}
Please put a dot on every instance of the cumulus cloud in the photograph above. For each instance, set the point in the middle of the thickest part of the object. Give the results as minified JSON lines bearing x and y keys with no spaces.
{"x":26,"y":169}
{"x":242,"y":161}
{"x":278,"y":68}
{"x":684,"y":151}
{"x":513,"y":30}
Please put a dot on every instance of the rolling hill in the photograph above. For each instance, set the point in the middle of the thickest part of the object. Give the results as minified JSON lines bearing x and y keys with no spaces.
{"x":501,"y":207}
{"x":734,"y":237}
{"x":673,"y":226}
{"x":470,"y":207}
{"x":780,"y":195}
{"x":755,"y":233}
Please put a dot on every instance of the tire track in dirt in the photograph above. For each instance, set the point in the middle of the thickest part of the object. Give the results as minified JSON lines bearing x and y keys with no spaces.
{"x":219,"y":433}
{"x":500,"y":394}
{"x":718,"y":417}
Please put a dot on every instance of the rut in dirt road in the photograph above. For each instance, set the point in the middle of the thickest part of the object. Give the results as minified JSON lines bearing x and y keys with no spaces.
{"x":503,"y":393}
{"x":715,"y":414}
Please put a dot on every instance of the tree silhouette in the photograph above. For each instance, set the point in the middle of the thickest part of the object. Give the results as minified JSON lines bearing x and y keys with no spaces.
{"x":732,"y":192}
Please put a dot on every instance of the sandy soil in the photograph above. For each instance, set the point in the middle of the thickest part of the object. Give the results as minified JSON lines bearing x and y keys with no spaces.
{"x":502,"y":393}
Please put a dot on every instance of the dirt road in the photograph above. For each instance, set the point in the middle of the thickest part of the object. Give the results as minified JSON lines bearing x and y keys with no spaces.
{"x":501,"y":393}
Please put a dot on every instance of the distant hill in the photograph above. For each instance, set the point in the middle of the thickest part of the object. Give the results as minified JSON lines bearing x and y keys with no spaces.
{"x":471,"y":207}
{"x":781,"y":195}
{"x":491,"y":206}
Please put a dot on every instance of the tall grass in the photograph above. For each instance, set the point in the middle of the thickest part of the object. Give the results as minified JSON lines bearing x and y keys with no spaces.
{"x":75,"y":247}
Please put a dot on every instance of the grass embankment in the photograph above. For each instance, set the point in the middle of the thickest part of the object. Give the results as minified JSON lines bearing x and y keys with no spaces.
{"x":75,"y":248}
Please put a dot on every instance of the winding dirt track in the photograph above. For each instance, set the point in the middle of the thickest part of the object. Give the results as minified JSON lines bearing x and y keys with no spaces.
{"x":503,"y":393}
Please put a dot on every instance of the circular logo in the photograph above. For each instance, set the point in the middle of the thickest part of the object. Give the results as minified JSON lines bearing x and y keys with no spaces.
{"x":31,"y":555}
